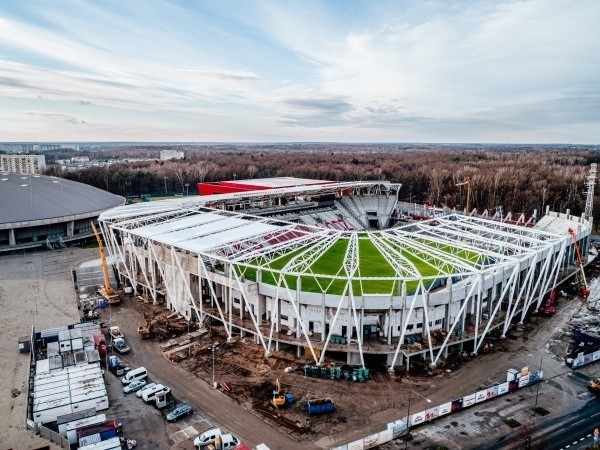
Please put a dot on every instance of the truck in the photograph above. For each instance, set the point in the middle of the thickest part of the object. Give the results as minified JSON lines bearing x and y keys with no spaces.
{"x":120,"y":346}
{"x":117,"y":366}
{"x":115,"y":332}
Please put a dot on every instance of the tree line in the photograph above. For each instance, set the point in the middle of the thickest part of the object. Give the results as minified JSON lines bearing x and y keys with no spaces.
{"x":516,"y":179}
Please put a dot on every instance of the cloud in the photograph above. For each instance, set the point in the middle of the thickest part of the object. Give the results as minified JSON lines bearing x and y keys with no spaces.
{"x":54,"y":117}
{"x":222,"y":74}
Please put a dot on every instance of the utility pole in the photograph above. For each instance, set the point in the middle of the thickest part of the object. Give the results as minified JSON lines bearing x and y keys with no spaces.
{"x":410,"y":392}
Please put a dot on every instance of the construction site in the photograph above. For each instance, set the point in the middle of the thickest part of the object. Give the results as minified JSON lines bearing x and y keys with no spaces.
{"x":233,"y":297}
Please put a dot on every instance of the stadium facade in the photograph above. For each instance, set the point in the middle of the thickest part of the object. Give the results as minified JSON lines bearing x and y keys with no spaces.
{"x":328,"y":269}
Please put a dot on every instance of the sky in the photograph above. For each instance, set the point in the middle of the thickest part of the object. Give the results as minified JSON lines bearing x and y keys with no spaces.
{"x":287,"y":71}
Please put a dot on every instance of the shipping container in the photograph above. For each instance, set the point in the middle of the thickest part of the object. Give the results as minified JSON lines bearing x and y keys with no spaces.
{"x":110,"y":444}
{"x":105,"y":430}
{"x":72,"y":427}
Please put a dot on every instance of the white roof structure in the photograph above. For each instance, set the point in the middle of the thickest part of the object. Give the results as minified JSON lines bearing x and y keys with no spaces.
{"x":429,"y":276}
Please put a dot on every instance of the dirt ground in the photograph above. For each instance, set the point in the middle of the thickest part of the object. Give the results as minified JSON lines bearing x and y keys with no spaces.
{"x":248,"y":378}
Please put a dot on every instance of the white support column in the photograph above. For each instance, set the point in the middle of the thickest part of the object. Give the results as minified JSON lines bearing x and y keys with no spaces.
{"x":187,"y":286}
{"x":459,"y":316}
{"x":214,"y":296}
{"x":509,"y":285}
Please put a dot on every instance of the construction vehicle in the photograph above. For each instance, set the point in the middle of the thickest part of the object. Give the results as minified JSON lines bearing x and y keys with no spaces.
{"x":145,"y":331}
{"x":278,"y":399}
{"x":548,"y":308}
{"x":106,"y":291}
{"x":581,"y":286}
{"x":467,"y":183}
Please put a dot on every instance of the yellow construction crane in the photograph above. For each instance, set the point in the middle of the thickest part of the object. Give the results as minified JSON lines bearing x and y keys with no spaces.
{"x":106,"y":291}
{"x":467,"y":182}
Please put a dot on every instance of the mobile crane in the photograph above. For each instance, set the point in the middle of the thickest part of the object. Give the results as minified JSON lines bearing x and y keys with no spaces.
{"x":106,"y":290}
{"x":582,"y":287}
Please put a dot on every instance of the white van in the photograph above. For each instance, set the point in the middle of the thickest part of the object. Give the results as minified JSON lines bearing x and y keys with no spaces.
{"x":136,"y":374}
{"x":145,"y":388}
{"x":228,"y":441}
{"x":150,"y":394}
{"x":207,"y":437}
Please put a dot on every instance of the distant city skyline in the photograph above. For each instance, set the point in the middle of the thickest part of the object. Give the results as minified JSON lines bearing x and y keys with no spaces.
{"x":222,"y":71}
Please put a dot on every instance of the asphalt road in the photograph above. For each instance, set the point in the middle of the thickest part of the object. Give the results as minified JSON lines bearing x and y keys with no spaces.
{"x":210,"y":403}
{"x":570,"y":430}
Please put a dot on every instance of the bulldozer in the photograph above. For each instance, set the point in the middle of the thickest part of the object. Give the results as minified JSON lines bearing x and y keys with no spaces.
{"x":106,"y":290}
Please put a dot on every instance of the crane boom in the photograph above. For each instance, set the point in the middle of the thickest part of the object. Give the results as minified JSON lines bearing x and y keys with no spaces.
{"x":467,"y":182}
{"x":106,"y":290}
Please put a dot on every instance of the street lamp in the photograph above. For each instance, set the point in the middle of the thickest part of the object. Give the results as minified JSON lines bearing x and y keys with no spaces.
{"x":165,"y":185}
{"x":213,"y":348}
{"x":537,"y":391}
{"x":187,"y":190}
{"x":410,"y":392}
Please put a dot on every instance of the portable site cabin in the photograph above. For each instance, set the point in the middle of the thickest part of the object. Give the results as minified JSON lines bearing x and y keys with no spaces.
{"x":63,"y":421}
{"x":96,"y":399}
{"x":49,"y":411}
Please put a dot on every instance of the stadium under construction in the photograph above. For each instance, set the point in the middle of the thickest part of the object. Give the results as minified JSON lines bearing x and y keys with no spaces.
{"x":342,"y":270}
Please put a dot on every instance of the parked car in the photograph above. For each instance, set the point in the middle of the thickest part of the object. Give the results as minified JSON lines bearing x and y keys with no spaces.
{"x":181,"y":410}
{"x":134,"y":386}
{"x":594,"y":384}
{"x":207,"y":437}
{"x":141,"y":391}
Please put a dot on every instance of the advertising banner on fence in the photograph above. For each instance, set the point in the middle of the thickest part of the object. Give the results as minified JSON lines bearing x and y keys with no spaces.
{"x":457,"y":405}
{"x":513,"y":386}
{"x":492,"y":392}
{"x":444,"y":409}
{"x":523,"y":381}
{"x":596,"y":356}
{"x":432,"y":413}
{"x":417,"y":418}
{"x":480,"y":396}
{"x":468,"y":400}
{"x":397,"y":428}
{"x":356,"y":445}
{"x":503,"y":388}
{"x":535,"y":376}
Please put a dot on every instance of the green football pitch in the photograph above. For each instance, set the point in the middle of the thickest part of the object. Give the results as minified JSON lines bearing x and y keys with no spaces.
{"x":375,"y":274}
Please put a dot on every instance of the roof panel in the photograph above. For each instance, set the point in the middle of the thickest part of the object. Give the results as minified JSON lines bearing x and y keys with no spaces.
{"x":225,"y":223}
{"x":225,"y":237}
{"x":177,"y":224}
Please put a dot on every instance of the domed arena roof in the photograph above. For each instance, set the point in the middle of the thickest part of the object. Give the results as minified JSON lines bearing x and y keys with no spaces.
{"x":28,"y":198}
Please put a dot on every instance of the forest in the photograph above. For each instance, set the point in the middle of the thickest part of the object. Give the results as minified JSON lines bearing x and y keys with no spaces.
{"x":516,"y":178}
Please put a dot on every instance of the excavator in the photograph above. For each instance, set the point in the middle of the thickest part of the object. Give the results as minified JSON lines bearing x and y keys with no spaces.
{"x":147,"y":331}
{"x":582,"y":288}
{"x":278,"y":399}
{"x":106,"y":290}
